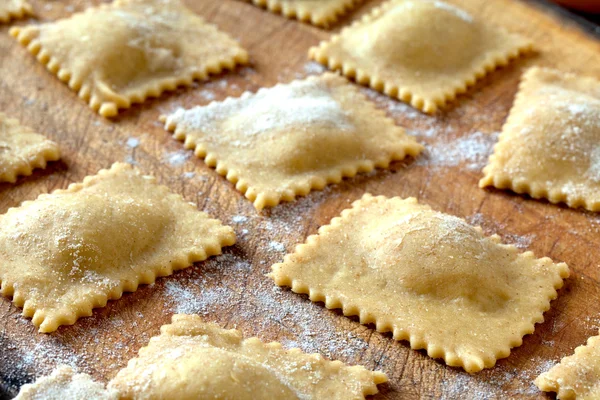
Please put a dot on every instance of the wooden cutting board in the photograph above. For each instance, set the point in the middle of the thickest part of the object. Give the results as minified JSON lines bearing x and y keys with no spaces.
{"x":232,"y":289}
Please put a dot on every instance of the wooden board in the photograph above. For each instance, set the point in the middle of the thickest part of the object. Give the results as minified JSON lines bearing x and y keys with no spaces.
{"x":232,"y":289}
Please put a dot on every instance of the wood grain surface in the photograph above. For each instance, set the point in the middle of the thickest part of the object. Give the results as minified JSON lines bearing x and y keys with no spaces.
{"x":232,"y":289}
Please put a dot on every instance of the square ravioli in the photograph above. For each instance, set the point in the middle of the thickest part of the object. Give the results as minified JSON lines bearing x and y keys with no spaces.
{"x":73,"y":250}
{"x":10,"y":9}
{"x":192,"y":359}
{"x":422,"y":52}
{"x":548,"y":147}
{"x":320,"y":13}
{"x":284,"y":141}
{"x":22,"y":150}
{"x":121,"y":53}
{"x":577,"y":376}
{"x":427,"y":277}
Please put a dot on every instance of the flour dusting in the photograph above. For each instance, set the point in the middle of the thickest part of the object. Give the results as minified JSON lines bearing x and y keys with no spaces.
{"x":298,"y":104}
{"x":470,"y":151}
{"x":177,"y":158}
{"x":132,"y":142}
{"x":593,"y":171}
{"x":504,"y":381}
{"x":186,"y":300}
{"x":239,"y":219}
{"x":65,"y":383}
{"x":276,"y":246}
{"x":314,"y":68}
{"x":522,"y":242}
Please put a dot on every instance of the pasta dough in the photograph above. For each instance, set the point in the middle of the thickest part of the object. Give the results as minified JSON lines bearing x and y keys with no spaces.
{"x":320,"y":13}
{"x":423,"y":52}
{"x":577,"y":376}
{"x":22,"y":150}
{"x":10,"y":9}
{"x":284,"y":141}
{"x":549,"y":145}
{"x":192,"y":359}
{"x":73,"y":250}
{"x":65,"y":384}
{"x":118,"y":54}
{"x":428,"y":277}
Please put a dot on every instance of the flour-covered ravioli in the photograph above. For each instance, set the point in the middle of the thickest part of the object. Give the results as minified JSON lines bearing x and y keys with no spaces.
{"x":576,"y":376}
{"x":549,"y":147}
{"x":321,"y":13}
{"x":65,"y":384}
{"x":286,"y":140}
{"x":73,"y":250}
{"x":426,"y":276}
{"x":22,"y":150}
{"x":192,"y":359}
{"x":423,"y":52}
{"x":121,"y":53}
{"x":10,"y":9}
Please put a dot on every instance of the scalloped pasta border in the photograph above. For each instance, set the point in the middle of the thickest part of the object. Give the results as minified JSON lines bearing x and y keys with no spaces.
{"x":415,"y":338}
{"x":537,"y":190}
{"x":110,"y":108}
{"x":263,"y":199}
{"x":50,"y":152}
{"x":84,"y":308}
{"x":494,"y":60}
{"x":180,"y":321}
{"x":546,"y":383}
{"x":10,"y":14}
{"x":292,"y":11}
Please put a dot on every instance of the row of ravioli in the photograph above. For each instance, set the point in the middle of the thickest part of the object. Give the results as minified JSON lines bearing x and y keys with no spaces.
{"x":427,"y":68}
{"x":303,"y":121}
{"x":392,"y":262}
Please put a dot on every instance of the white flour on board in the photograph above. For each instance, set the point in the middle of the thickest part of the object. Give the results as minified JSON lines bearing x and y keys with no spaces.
{"x":471,"y":151}
{"x":188,"y":175}
{"x":522,"y":242}
{"x":503,"y":380}
{"x":276,"y":246}
{"x":133,"y":142}
{"x":314,"y":68}
{"x":177,"y":158}
{"x":239,"y":219}
{"x":131,"y":147}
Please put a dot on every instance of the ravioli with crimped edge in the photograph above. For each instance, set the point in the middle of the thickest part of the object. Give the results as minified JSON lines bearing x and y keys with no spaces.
{"x":321,"y":13}
{"x":121,"y":53}
{"x":423,"y":52}
{"x":22,"y":150}
{"x":193,"y":359}
{"x":576,"y":376}
{"x":427,"y":277}
{"x":70,"y":251}
{"x":548,"y":147}
{"x":283,"y":142}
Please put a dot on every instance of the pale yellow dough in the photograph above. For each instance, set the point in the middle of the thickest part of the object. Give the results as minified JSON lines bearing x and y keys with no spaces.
{"x":284,"y":141}
{"x":192,"y":359}
{"x":549,"y":147}
{"x":423,"y":52}
{"x":10,"y":9}
{"x":73,"y":250}
{"x":118,"y":54}
{"x":320,"y":13}
{"x":65,"y":384}
{"x":22,"y":150}
{"x":428,"y":277}
{"x":577,"y":376}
